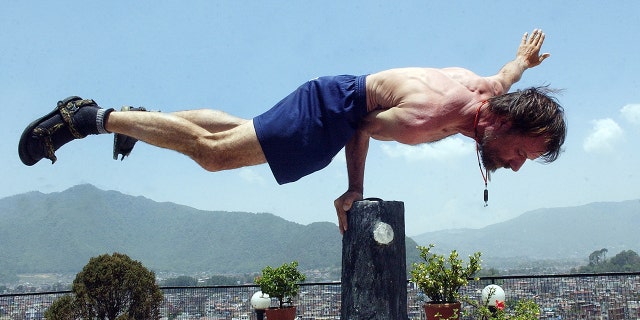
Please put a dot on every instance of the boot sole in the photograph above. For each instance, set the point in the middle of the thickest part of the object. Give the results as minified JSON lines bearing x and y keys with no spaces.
{"x":23,"y":151}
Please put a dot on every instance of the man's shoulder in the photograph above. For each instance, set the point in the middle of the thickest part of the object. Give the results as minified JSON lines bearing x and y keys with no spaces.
{"x":460,"y":73}
{"x":475,"y":84}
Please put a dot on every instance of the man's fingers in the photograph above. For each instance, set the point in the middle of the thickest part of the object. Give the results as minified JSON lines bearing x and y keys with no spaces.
{"x":343,"y":205}
{"x":342,"y":220}
{"x":539,"y":39}
{"x":346,"y":205}
{"x":342,"y":217}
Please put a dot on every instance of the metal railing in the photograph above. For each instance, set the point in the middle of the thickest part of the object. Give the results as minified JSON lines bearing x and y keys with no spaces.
{"x":609,"y":296}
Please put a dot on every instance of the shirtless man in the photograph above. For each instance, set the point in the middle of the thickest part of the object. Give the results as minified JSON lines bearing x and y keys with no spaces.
{"x":303,"y":132}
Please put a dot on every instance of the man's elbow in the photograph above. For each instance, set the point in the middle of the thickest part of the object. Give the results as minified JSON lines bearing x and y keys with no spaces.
{"x":498,"y":85}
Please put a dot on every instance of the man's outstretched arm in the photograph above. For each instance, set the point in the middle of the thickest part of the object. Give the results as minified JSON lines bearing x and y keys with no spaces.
{"x":527,"y":56}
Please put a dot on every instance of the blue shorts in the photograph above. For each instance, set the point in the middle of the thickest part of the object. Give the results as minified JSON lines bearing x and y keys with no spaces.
{"x":302,"y":133}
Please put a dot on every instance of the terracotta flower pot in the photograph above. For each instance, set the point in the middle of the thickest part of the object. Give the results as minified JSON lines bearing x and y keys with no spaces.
{"x":443,"y":311}
{"x":288,"y":313}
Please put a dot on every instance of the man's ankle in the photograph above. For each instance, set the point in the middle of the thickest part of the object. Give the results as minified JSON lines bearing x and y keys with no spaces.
{"x":101,"y":118}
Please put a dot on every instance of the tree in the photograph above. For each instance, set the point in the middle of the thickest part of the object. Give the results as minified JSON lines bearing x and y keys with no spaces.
{"x":491,"y":272}
{"x":113,"y":287}
{"x":181,"y":281}
{"x":59,"y":286}
{"x":218,"y":280}
{"x":598,"y":256}
{"x":61,"y":309}
{"x":603,"y":252}
{"x":627,"y":260}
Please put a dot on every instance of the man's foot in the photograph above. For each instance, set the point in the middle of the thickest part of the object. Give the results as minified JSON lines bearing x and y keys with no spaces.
{"x":122,"y":144}
{"x":73,"y":118}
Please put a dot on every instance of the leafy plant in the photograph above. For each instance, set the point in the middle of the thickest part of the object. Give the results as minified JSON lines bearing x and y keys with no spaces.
{"x":524,"y":310}
{"x":440,"y":278}
{"x":282,"y":282}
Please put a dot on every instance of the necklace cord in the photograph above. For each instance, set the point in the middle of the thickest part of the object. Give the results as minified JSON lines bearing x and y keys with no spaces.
{"x":485,"y":173}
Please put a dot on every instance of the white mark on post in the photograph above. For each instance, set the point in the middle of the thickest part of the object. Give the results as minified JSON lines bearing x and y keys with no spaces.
{"x":382,"y":233}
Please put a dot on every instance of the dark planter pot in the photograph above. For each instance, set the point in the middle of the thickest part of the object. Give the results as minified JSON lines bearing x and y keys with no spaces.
{"x":288,"y":313}
{"x":443,"y":311}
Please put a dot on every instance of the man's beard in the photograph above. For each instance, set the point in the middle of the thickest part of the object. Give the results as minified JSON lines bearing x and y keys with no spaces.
{"x":489,"y":154}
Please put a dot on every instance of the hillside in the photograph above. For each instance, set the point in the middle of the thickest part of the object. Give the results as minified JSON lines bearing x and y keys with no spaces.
{"x":59,"y":232}
{"x":570,"y":233}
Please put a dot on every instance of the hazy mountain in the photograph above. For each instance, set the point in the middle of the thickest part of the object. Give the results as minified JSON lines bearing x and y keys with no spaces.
{"x":59,"y":232}
{"x":554,"y":233}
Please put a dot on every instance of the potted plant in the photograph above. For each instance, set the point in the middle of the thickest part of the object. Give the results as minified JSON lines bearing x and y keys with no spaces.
{"x":282,"y":283}
{"x":440,"y":278}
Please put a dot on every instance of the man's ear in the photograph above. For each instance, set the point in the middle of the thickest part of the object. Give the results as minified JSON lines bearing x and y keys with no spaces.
{"x":503,"y":125}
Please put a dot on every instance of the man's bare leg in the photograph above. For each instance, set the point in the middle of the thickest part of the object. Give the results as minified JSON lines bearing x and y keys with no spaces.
{"x":211,"y":120}
{"x":210,"y":145}
{"x":222,"y":142}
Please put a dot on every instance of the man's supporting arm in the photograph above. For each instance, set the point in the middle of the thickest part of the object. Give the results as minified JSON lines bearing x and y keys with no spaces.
{"x":356,"y":155}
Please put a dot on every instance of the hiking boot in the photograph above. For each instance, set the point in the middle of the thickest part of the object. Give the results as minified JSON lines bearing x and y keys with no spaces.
{"x":73,"y":118}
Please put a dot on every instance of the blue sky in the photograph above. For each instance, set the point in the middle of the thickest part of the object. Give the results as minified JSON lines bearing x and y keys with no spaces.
{"x":244,"y":56}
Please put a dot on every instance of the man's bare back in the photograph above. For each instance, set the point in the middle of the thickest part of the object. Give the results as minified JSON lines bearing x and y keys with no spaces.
{"x":419,"y":105}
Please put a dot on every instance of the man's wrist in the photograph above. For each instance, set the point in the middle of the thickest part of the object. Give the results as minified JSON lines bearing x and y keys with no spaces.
{"x":355,"y":189}
{"x":522,"y":64}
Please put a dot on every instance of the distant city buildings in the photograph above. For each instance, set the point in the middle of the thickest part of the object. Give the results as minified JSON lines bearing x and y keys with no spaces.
{"x":604,"y":296}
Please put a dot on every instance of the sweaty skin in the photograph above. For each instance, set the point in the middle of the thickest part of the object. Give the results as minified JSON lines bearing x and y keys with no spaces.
{"x":421,"y":105}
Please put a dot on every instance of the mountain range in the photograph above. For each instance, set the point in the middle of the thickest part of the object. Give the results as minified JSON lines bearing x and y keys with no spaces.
{"x":60,"y":232}
{"x":569,"y":233}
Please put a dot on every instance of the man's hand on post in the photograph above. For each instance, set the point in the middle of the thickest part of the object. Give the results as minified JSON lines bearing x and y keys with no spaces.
{"x":343,"y":204}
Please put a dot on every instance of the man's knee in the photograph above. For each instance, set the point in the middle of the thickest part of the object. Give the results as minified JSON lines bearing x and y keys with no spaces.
{"x":223,"y":161}
{"x":208,"y":155}
{"x":213,"y":164}
{"x":227,"y":150}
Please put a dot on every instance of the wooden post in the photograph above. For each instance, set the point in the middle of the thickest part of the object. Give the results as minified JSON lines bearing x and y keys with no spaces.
{"x":374,"y":273}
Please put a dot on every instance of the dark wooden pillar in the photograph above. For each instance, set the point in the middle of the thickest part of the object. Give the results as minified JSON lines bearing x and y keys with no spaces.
{"x":374,"y":273}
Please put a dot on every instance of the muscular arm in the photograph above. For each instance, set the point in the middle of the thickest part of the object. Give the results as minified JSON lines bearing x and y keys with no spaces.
{"x":356,"y":154}
{"x":381,"y":125}
{"x":527,"y":56}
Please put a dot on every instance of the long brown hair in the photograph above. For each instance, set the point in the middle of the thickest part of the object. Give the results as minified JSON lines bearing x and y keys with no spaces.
{"x":534,"y":112}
